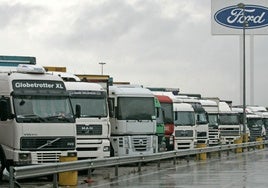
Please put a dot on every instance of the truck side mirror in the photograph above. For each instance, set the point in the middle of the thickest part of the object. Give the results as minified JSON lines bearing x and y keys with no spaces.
{"x":3,"y":110}
{"x":111,"y":107}
{"x":77,"y":111}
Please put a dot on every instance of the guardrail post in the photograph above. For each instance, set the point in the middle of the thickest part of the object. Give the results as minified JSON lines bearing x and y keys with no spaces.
{"x":209,"y":155}
{"x":219,"y":154}
{"x":11,"y":177}
{"x":139,"y":167}
{"x":188,"y":158}
{"x":116,"y":170}
{"x":259,"y":139}
{"x":55,"y":180}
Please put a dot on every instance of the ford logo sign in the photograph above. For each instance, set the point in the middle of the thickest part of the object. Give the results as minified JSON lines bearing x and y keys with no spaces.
{"x":232,"y":16}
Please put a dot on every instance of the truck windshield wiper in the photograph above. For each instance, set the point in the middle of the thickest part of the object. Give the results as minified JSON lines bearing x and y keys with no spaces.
{"x":31,"y":118}
{"x":58,"y":117}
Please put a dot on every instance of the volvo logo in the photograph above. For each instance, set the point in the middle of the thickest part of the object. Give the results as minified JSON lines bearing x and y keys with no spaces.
{"x":232,"y":16}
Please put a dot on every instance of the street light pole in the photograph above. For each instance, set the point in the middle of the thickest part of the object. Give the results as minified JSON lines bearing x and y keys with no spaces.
{"x":242,"y":6}
{"x":102,"y":63}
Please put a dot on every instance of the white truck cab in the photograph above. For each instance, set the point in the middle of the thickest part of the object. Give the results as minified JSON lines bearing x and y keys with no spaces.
{"x":133,"y":121}
{"x":185,"y":126}
{"x":37,"y":120}
{"x":93,"y":126}
{"x":212,"y":109}
{"x":229,"y":124}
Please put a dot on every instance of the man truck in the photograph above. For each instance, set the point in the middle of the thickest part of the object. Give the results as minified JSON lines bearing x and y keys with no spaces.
{"x":93,"y":127}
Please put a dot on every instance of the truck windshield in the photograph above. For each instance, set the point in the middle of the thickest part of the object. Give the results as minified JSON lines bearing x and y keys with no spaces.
{"x":91,"y":107}
{"x":212,"y":120}
{"x":136,"y":108}
{"x":265,"y":122}
{"x":168,"y":109}
{"x":184,"y":118}
{"x":159,"y":115}
{"x":40,"y":109}
{"x":254,"y":122}
{"x":201,"y":118}
{"x":229,"y":119}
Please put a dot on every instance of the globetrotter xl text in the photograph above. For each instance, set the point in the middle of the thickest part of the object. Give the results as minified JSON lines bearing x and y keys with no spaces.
{"x":34,"y":85}
{"x":37,"y":84}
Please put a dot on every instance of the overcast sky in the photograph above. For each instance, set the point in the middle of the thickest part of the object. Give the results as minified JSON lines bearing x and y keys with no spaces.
{"x":156,"y":43}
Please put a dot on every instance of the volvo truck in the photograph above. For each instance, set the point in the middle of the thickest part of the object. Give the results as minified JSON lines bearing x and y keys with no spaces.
{"x":37,"y":119}
{"x":133,"y":121}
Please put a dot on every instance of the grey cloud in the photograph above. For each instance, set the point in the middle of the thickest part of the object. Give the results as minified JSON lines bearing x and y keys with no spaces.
{"x":17,"y":14}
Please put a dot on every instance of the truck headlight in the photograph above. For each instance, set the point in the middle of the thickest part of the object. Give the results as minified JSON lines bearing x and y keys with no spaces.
{"x":106,"y":148}
{"x":24,"y":158}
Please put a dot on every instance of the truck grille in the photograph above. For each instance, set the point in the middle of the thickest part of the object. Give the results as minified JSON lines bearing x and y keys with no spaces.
{"x":184,"y":133}
{"x":89,"y":129}
{"x":229,"y":132}
{"x":47,"y":143}
{"x":254,"y":133}
{"x":201,"y":134}
{"x":141,"y":143}
{"x":47,"y":157}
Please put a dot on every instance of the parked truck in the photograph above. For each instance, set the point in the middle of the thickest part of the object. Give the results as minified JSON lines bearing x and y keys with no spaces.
{"x":167,"y":106}
{"x":255,"y":126}
{"x":229,"y":124}
{"x":160,"y":126}
{"x":261,"y":111}
{"x":202,"y":130}
{"x":133,"y":121}
{"x":212,"y":109}
{"x":185,"y":125}
{"x":37,"y":120}
{"x":93,"y":127}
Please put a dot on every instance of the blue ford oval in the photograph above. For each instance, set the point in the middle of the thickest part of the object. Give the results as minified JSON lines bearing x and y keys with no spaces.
{"x":232,"y":16}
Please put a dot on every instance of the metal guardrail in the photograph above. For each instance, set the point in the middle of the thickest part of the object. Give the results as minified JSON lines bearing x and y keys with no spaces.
{"x":23,"y":172}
